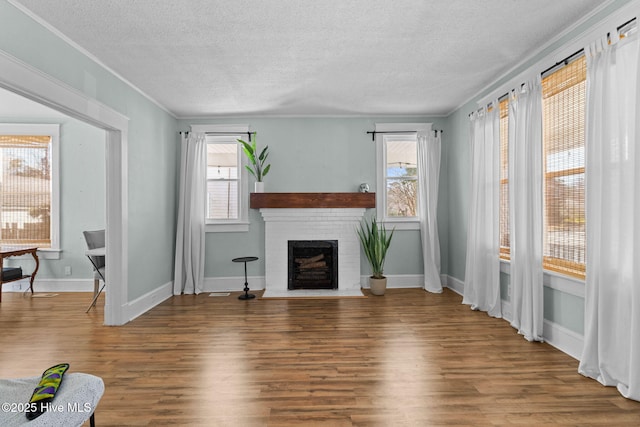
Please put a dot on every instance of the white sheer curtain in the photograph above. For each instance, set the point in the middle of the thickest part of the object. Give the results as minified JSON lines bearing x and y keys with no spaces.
{"x":611,"y":352}
{"x":190,"y":235}
{"x":482,"y":272}
{"x":429,"y":148}
{"x":525,"y":196}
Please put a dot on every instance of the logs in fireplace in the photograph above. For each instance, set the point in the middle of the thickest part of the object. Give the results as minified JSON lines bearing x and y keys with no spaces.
{"x":313,"y":264}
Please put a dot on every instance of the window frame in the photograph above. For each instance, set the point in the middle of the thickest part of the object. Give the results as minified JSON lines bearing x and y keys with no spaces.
{"x":233,"y":132}
{"x":383,"y":132}
{"x":52,"y":130}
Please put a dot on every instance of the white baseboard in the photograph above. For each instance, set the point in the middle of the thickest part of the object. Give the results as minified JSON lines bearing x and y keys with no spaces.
{"x":558,"y":336}
{"x":236,"y":283}
{"x":563,"y":339}
{"x":232,"y":284}
{"x":132,"y":309}
{"x":454,"y":284}
{"x":397,"y":281}
{"x":50,"y":285}
{"x":146,"y":302}
{"x":406,"y":281}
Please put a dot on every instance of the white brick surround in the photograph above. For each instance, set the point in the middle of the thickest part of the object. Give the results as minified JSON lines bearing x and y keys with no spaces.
{"x":282,"y":225}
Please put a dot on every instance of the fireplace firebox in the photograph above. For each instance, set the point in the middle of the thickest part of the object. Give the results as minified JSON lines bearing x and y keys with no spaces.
{"x":313,"y":264}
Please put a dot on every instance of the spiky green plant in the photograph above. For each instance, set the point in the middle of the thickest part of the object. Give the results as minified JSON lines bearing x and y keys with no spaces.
{"x":257,"y":167}
{"x":375,"y":241}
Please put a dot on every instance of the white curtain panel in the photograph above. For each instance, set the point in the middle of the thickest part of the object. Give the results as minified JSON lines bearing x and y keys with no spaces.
{"x":611,"y":352}
{"x":190,"y":235}
{"x":482,"y":272}
{"x":526,"y":204}
{"x":429,"y":148}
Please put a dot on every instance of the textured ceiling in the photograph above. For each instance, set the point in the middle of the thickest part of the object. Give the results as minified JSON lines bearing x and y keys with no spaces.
{"x":202,"y":58}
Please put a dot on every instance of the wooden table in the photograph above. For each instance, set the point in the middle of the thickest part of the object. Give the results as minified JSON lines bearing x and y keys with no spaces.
{"x":9,"y":251}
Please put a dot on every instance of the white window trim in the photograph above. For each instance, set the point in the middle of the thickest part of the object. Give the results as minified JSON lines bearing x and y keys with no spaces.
{"x":52,"y":130}
{"x":242,"y":223}
{"x":381,"y":194}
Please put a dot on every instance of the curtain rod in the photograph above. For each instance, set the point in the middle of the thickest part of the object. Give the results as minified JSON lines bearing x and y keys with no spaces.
{"x":565,"y":61}
{"x":625,"y":24}
{"x":223,"y":133}
{"x":373,"y":133}
{"x":575,"y":55}
{"x":580,"y":52}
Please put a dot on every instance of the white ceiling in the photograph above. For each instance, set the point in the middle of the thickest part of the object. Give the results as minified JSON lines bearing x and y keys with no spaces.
{"x":203,"y":58}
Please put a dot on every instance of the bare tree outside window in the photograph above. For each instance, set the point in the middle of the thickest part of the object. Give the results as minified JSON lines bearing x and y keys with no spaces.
{"x":402,"y":177}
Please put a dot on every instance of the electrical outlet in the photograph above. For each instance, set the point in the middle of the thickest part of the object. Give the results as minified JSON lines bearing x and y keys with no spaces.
{"x":67,"y":270}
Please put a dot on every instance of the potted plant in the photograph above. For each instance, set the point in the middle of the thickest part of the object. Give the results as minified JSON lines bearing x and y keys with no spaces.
{"x":257,"y":167}
{"x":375,"y":241}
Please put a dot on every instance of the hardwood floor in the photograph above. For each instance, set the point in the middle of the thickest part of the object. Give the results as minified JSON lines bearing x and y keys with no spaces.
{"x":409,"y":358}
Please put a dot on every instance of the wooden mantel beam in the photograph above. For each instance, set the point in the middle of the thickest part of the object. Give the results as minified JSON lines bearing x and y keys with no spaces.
{"x":312,"y":200}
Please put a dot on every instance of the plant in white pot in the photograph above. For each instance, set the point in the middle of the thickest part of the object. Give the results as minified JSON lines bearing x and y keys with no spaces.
{"x":257,"y":167}
{"x":375,"y":242}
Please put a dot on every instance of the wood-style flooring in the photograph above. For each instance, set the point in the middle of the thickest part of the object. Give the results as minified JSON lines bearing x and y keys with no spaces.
{"x":409,"y":358}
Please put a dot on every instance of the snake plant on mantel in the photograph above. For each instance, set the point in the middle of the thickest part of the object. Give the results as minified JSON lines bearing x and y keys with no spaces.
{"x":257,"y":167}
{"x":375,"y":242}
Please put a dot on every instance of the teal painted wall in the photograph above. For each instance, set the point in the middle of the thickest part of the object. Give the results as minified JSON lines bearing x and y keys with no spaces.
{"x":318,"y":155}
{"x":564,"y":309}
{"x":458,"y":180}
{"x":82,"y":191}
{"x":152,"y":147}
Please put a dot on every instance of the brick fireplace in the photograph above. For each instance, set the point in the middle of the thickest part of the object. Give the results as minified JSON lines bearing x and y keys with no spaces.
{"x":323,"y":222}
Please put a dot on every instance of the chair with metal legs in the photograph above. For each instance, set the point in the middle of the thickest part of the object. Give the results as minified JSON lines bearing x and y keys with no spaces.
{"x":96,"y":254}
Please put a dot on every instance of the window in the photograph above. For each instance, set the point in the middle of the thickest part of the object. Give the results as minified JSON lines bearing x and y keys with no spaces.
{"x":29,"y":185}
{"x":505,"y":243}
{"x":401,"y":176}
{"x":227,"y":204}
{"x":563,"y":111}
{"x":397,"y":152}
{"x":223,"y":180}
{"x":563,"y":108}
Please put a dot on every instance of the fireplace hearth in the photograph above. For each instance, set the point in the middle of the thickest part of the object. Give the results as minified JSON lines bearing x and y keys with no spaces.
{"x":313,"y":264}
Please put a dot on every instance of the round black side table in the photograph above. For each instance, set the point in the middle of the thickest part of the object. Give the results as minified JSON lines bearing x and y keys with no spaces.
{"x":246,"y":259}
